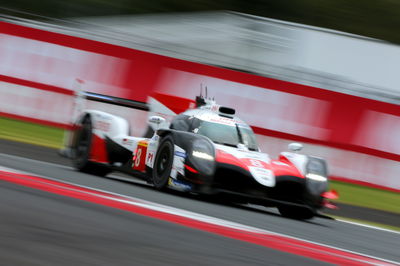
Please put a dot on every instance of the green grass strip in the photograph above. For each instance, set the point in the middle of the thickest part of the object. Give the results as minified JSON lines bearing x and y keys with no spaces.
{"x":367,"y":197}
{"x":31,"y":133}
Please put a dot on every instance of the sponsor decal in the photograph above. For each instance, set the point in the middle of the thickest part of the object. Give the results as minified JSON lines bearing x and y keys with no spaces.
{"x":280,"y":163}
{"x":222,"y":120}
{"x":179,"y":185}
{"x":180,"y":169}
{"x":149,"y":159}
{"x":153,"y":144}
{"x":179,"y":158}
{"x":143,"y":143}
{"x":102,"y":126}
{"x":256,"y":163}
{"x":180,"y":154}
{"x":127,"y":142}
{"x":263,"y":176}
{"x":174,"y":172}
{"x":103,"y":116}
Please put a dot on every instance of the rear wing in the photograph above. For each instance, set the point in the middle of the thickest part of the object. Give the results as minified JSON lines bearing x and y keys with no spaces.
{"x":79,"y":105}
{"x":81,"y":96}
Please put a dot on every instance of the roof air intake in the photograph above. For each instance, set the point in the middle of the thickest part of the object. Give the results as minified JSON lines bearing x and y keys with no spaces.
{"x":226,"y":110}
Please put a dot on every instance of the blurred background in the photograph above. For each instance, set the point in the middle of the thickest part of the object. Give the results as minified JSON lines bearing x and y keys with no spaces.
{"x":345,"y":46}
{"x":373,"y":18}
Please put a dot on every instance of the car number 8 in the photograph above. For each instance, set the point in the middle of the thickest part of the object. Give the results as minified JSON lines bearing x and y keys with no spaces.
{"x":138,"y":155}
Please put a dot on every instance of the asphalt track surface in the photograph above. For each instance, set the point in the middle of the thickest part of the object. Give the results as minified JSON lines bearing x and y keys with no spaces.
{"x":349,"y":211}
{"x":40,"y":228}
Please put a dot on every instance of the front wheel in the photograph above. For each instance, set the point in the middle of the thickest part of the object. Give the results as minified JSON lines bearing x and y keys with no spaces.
{"x":163,"y":163}
{"x":298,"y":213}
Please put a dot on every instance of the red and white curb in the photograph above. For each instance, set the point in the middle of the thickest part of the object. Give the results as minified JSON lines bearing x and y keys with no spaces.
{"x":193,"y":220}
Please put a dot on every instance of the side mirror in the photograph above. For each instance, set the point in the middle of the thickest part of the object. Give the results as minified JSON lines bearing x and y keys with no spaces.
{"x":156,"y":120}
{"x":295,"y":146}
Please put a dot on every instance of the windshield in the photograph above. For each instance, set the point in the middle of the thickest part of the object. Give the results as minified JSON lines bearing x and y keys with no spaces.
{"x":228,"y":134}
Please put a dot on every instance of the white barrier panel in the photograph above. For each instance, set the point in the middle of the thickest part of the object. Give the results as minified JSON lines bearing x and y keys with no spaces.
{"x":33,"y":103}
{"x":57,"y":65}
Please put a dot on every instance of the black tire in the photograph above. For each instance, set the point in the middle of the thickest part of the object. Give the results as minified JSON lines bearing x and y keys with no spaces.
{"x":163,"y":163}
{"x":81,"y":151}
{"x":297,"y":213}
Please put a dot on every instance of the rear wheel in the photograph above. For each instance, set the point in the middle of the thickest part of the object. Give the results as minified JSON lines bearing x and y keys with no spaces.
{"x":163,"y":163}
{"x":298,"y":213}
{"x":81,"y":151}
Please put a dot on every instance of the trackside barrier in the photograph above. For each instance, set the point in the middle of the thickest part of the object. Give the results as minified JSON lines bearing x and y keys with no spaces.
{"x":358,"y":136}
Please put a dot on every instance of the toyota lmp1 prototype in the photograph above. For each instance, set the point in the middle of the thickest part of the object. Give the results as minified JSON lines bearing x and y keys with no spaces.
{"x":205,"y":150}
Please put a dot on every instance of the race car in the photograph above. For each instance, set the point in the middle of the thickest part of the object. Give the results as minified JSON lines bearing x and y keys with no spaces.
{"x":204,"y":150}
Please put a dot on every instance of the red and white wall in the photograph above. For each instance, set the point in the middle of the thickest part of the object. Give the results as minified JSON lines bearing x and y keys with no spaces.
{"x":358,"y":136}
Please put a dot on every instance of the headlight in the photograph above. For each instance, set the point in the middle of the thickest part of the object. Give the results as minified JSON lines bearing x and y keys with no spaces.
{"x":202,"y":156}
{"x":316,"y":177}
{"x":316,"y":166}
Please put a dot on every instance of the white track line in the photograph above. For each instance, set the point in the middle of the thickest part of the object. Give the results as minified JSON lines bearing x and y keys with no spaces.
{"x":368,"y":226}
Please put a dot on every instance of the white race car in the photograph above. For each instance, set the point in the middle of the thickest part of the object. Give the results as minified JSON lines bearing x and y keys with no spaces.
{"x":206,"y":150}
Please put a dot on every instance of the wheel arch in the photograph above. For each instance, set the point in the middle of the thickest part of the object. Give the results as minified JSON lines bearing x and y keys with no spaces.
{"x":103,"y":126}
{"x":92,"y":159}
